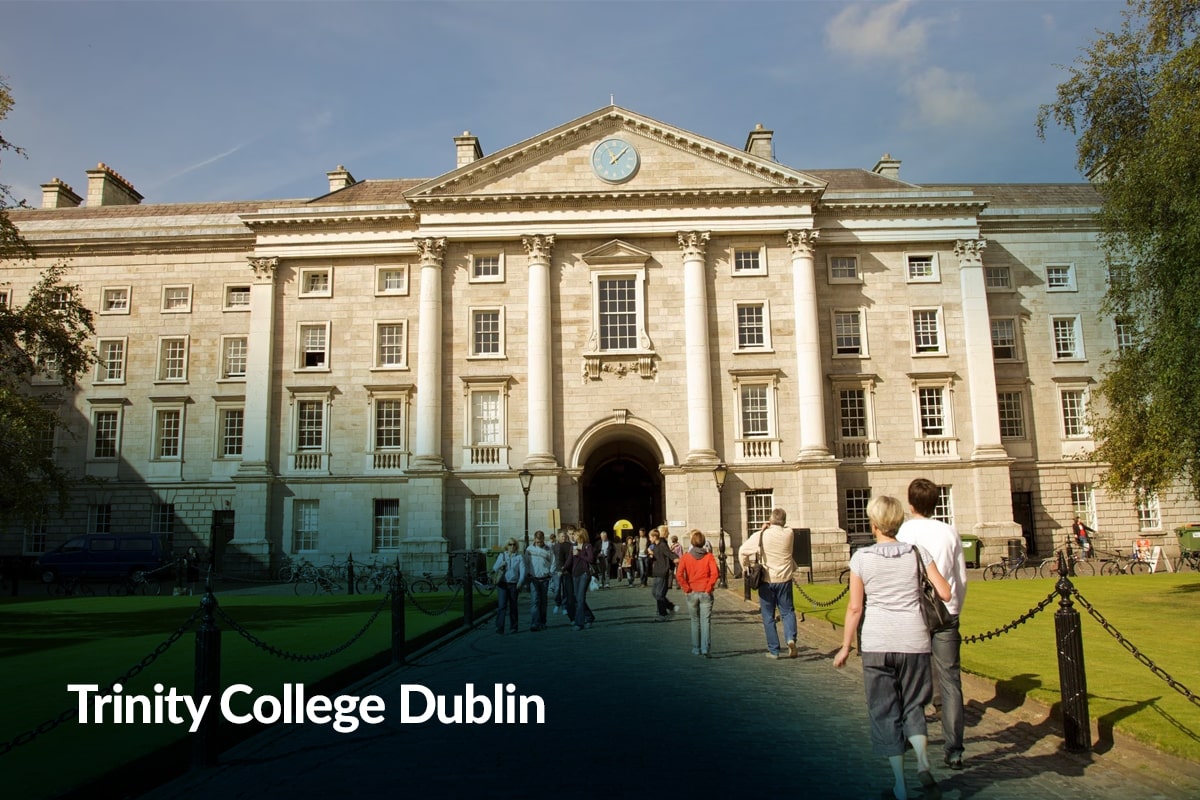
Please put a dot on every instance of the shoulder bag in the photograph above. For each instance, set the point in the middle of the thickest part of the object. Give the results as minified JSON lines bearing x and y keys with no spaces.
{"x":756,"y":572}
{"x":936,"y":615}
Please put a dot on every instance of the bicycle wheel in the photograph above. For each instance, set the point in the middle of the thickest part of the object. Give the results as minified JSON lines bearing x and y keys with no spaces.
{"x":285,"y":573}
{"x":118,"y":589}
{"x":1084,"y":568}
{"x":1109,"y":568}
{"x":422,"y":586}
{"x":1027,"y":571}
{"x":1048,"y":568}
{"x":1139,"y":568}
{"x":993,"y":572}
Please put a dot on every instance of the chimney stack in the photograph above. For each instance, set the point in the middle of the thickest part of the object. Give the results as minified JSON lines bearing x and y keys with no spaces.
{"x":468,"y":149}
{"x":340,"y":178}
{"x":107,"y":188}
{"x":758,"y":143}
{"x":888,"y":167}
{"x":57,"y":194}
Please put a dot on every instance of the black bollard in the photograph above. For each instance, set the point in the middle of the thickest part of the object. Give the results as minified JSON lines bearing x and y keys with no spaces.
{"x":469,"y":590}
{"x":724,"y":581}
{"x":207,"y":679}
{"x":398,"y":632}
{"x":1072,"y":678}
{"x":350,"y":573}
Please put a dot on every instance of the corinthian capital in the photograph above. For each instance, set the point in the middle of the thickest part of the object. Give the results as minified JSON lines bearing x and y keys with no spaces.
{"x":538,"y":247}
{"x":970,"y":251}
{"x":693,"y":243}
{"x":432,"y":250}
{"x":802,"y":242}
{"x":264,"y":268}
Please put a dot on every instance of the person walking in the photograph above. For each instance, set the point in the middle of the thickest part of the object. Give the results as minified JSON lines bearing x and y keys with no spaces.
{"x":1081,"y":532}
{"x":944,"y":546}
{"x":677,"y":549}
{"x":773,"y":545}
{"x":643,"y":556}
{"x":564,"y":600}
{"x":579,"y":564}
{"x":663,"y":564}
{"x":697,"y":575}
{"x":538,"y":563}
{"x":895,"y":642}
{"x":604,"y":558}
{"x":510,"y":574}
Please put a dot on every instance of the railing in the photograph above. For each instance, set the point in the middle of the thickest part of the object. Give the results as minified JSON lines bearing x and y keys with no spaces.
{"x":310,"y":462}
{"x":388,"y":459}
{"x":485,"y":455}
{"x":944,"y":447}
{"x":858,"y":449}
{"x":759,"y":449}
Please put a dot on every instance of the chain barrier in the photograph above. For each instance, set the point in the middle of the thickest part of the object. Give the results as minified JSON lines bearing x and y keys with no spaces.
{"x":51,"y":724}
{"x":818,"y":603}
{"x":275,"y":651}
{"x":1134,"y":651}
{"x":412,"y":596}
{"x":1028,"y":615}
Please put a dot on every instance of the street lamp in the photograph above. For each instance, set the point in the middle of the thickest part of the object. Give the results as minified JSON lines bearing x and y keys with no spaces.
{"x":526,"y":481}
{"x":720,"y":472}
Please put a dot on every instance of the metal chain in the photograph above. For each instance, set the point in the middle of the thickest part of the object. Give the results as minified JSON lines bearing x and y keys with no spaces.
{"x":1138,"y":654}
{"x":1028,"y":615}
{"x":818,"y":603}
{"x":275,"y":651}
{"x":411,"y":595}
{"x":51,"y":724}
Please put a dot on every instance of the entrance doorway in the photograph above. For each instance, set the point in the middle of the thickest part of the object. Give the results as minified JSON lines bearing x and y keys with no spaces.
{"x":621,"y":481}
{"x":1023,"y":516}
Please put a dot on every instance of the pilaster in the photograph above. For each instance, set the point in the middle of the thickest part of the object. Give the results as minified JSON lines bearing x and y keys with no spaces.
{"x":977,"y":339}
{"x":699,"y":384}
{"x":809,"y":381}
{"x":541,"y":398}
{"x":427,"y":453}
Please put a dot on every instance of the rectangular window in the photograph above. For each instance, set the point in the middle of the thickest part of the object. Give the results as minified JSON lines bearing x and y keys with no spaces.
{"x":4,"y":298}
{"x":922,"y":268}
{"x":314,"y":346}
{"x":751,"y":326}
{"x":1125,"y":330}
{"x":99,"y":518}
{"x":618,"y":313}
{"x":1060,"y":277}
{"x":391,"y":345}
{"x":927,"y":331}
{"x":1012,"y":415}
{"x":485,"y":417}
{"x":305,"y":525}
{"x":316,"y":282}
{"x":485,"y":522}
{"x":756,"y":417}
{"x":389,"y":424}
{"x":237,"y":298}
{"x":162,"y":519}
{"x":843,"y":269}
{"x":486,"y":332}
{"x":943,"y":511}
{"x":172,"y":359}
{"x":997,"y":278}
{"x":759,"y":504}
{"x":110,"y":368}
{"x":114,"y":300}
{"x":1068,"y":338}
{"x":847,"y":333}
{"x":177,"y":299}
{"x":233,"y":423}
{"x":487,"y":268}
{"x":1004,"y":339}
{"x":107,"y":430}
{"x":1149,"y":516}
{"x":168,"y":433}
{"x":310,"y":424}
{"x":747,"y":260}
{"x":1083,"y":503}
{"x":391,"y":280}
{"x":852,"y":413}
{"x":387,"y":524}
{"x":35,"y":536}
{"x":931,"y":402}
{"x":1074,"y":413}
{"x":233,"y":357}
{"x":857,"y":521}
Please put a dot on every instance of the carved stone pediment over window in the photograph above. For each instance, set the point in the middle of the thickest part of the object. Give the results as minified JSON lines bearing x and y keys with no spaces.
{"x":618,"y":343}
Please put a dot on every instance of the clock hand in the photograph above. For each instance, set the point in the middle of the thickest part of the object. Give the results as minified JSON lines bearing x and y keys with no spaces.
{"x":618,"y":155}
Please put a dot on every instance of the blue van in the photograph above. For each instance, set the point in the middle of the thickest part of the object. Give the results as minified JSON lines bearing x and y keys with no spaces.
{"x":103,"y":555}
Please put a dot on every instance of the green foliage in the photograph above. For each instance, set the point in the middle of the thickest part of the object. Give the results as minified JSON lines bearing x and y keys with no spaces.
{"x":1134,"y":100}
{"x":11,"y":242}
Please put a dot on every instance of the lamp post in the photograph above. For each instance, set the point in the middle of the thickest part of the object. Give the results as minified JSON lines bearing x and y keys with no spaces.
{"x":526,"y":481}
{"x":720,"y":472}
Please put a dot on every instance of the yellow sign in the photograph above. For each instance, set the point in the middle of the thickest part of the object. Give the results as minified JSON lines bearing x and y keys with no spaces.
{"x":620,"y":526}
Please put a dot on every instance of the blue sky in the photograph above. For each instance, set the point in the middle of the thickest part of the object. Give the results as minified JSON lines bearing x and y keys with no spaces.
{"x":197,"y":101}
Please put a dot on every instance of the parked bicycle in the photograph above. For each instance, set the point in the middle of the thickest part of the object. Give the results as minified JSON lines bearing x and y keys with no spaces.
{"x":1188,"y":559}
{"x":137,"y":582}
{"x":70,"y":587}
{"x":1019,"y":567}
{"x":1076,"y":565}
{"x":1121,"y":564}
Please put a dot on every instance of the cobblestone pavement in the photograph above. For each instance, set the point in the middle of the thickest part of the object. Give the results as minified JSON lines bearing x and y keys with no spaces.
{"x":631,"y":713}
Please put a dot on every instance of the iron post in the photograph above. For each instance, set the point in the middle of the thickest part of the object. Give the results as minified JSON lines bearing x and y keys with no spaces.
{"x":720,"y":472}
{"x":206,"y":681}
{"x":1072,"y":678}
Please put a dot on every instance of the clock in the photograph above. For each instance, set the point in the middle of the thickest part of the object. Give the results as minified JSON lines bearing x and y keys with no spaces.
{"x":615,"y":160}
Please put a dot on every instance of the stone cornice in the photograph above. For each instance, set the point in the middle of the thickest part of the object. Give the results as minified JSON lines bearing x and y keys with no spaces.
{"x":881,"y":204}
{"x":328,"y":218}
{"x":550,"y":200}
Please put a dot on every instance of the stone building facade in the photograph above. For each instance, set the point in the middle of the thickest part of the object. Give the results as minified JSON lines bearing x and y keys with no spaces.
{"x":617,"y":307}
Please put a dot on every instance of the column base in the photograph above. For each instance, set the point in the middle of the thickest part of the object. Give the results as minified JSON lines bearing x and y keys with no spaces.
{"x":815,"y":454}
{"x":704,"y":457}
{"x":540,"y":461}
{"x":427,"y":464}
{"x":989,"y":452}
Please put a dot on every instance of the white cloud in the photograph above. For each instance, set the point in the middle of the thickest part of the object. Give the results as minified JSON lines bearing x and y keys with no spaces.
{"x":942,"y":98}
{"x":878,"y":32}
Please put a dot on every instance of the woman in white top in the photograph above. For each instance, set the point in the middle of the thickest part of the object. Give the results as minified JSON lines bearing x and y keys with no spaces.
{"x":895,"y":641}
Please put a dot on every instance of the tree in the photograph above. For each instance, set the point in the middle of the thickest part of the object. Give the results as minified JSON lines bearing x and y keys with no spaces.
{"x":48,"y":334}
{"x":1133,"y":98}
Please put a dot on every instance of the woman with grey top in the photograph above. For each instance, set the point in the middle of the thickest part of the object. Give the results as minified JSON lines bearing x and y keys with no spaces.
{"x":895,"y":642}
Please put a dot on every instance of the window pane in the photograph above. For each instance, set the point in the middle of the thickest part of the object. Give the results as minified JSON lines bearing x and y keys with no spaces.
{"x":312,"y":340}
{"x":844,"y":267}
{"x":847,"y":333}
{"x":758,"y":508}
{"x":1012,"y":415}
{"x":305,"y":522}
{"x":997,"y":277}
{"x":1065,"y":342}
{"x":387,"y":524}
{"x":920,"y":267}
{"x":235,"y":358}
{"x":112,"y":360}
{"x":106,"y":434}
{"x":486,"y":333}
{"x":485,"y":519}
{"x":233,"y":422}
{"x":1004,"y":339}
{"x":389,"y":431}
{"x":237,"y":296}
{"x":391,"y":345}
{"x":754,"y":411}
{"x":751,"y":326}
{"x":852,"y":408}
{"x":173,"y":366}
{"x":746,"y":260}
{"x":1083,"y":503}
{"x":618,"y":314}
{"x":933,"y":422}
{"x":176,"y":297}
{"x":925,"y":331}
{"x":310,"y":428}
{"x":167,"y":430}
{"x":487,"y":266}
{"x":116,"y":300}
{"x":1073,"y":413}
{"x":485,"y":412}
{"x":1058,"y":277}
{"x":857,"y":501}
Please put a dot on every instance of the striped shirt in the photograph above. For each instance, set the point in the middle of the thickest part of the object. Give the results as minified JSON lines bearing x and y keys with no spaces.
{"x":893,"y":621}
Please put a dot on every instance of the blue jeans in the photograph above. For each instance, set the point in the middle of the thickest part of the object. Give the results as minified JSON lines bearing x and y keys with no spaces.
{"x":643,"y":563}
{"x":947,"y":674}
{"x":537,"y":602}
{"x":770,"y":597}
{"x":583,"y":614}
{"x":506,"y":604}
{"x":700,"y":612}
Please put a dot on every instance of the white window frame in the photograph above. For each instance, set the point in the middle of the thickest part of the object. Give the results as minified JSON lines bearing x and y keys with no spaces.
{"x":310,"y":458}
{"x":935,"y":272}
{"x":227,"y":343}
{"x":1015,"y":323}
{"x":5,"y":298}
{"x":866,"y":446}
{"x":161,"y":412}
{"x":1149,"y":511}
{"x":160,"y":369}
{"x":162,"y":519}
{"x":943,"y":510}
{"x":478,"y":453}
{"x":104,"y":371}
{"x":485,"y":522}
{"x":472,"y":267}
{"x":381,"y":272}
{"x":99,"y":518}
{"x":34,"y":542}
{"x":758,"y":511}
{"x":638,"y":276}
{"x":1019,"y":418}
{"x":747,"y":247}
{"x":388,"y":456}
{"x":302,"y":353}
{"x":305,"y":276}
{"x":307,"y":512}
{"x":1076,"y":323}
{"x":222,"y":452}
{"x":940,"y":328}
{"x":117,"y":409}
{"x":831,"y":275}
{"x":1073,"y":422}
{"x":863,"y":351}
{"x":1083,"y":503}
{"x":930,"y":445}
{"x":387,"y":530}
{"x":765,"y":347}
{"x":855,"y":501}
{"x":760,"y":445}
{"x":110,"y":294}
{"x":167,"y":290}
{"x":1124,"y":333}
{"x":997,"y":278}
{"x":472,"y":313}
{"x":377,"y":345}
{"x":227,"y":293}
{"x":1060,"y":277}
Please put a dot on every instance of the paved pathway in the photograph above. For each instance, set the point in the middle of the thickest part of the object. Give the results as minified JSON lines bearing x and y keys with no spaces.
{"x":631,"y":713}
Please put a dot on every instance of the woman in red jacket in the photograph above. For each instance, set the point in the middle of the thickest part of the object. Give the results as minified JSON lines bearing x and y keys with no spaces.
{"x":697,"y":575}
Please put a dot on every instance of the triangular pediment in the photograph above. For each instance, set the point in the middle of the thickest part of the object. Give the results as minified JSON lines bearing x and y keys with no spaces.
{"x":559,"y":164}
{"x":616,"y":253}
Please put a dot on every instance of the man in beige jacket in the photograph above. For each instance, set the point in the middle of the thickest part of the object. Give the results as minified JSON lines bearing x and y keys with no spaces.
{"x":774,"y":545}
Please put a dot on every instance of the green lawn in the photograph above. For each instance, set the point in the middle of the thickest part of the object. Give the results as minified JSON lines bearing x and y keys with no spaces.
{"x":47,"y":644}
{"x":1158,"y":614}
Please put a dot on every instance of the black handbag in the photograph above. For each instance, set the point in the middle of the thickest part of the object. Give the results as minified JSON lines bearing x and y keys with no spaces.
{"x":936,"y":615}
{"x":756,"y":572}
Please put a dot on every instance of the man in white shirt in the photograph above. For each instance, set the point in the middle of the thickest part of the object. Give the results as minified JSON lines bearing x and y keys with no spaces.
{"x":774,"y":543}
{"x":945,"y":547}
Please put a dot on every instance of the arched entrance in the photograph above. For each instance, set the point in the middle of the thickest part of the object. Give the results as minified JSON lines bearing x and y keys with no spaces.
{"x":621,"y":480}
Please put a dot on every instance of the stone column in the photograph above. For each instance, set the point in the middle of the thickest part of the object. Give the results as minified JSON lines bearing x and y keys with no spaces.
{"x":977,"y":336}
{"x":427,"y":455}
{"x":810,"y":384}
{"x":540,"y":421}
{"x":695,"y":318}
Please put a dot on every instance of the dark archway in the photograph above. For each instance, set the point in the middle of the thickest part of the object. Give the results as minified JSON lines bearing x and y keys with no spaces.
{"x":621,"y":480}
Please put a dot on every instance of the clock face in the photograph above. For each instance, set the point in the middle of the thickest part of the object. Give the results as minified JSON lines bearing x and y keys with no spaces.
{"x":615,"y":160}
